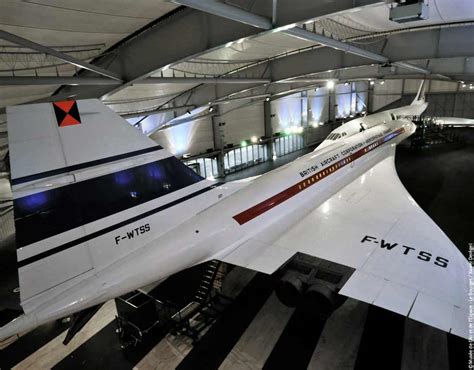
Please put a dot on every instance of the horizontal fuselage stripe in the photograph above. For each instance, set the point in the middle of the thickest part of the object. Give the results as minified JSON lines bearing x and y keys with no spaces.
{"x":80,"y":166}
{"x":98,"y":233}
{"x":262,"y":207}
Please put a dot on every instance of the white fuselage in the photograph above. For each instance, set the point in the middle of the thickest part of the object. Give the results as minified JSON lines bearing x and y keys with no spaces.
{"x":235,"y":212}
{"x":224,"y":218}
{"x":359,"y":124}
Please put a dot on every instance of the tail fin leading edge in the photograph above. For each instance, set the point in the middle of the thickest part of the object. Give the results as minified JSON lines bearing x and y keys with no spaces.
{"x":420,"y":96}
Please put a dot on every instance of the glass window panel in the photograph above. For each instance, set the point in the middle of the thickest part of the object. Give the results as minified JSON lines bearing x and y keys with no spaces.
{"x":238,"y":156}
{"x":215,"y":172}
{"x":243,"y":153}
{"x":231,"y":159}
{"x":208,"y":163}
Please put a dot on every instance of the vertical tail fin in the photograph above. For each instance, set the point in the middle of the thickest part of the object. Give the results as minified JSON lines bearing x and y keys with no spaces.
{"x":84,"y":181}
{"x":420,"y":96}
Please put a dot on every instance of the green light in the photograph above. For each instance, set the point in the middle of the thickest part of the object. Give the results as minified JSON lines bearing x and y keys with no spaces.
{"x":243,"y":143}
{"x":287,"y":131}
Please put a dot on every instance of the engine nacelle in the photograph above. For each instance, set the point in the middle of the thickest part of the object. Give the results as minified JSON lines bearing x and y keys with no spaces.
{"x":289,"y":290}
{"x":321,"y":299}
{"x":312,"y":284}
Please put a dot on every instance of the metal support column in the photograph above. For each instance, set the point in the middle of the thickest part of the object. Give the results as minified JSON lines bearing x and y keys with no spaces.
{"x":353,"y":107}
{"x":304,"y":108}
{"x":218,"y":136}
{"x":370,"y":97}
{"x":332,"y":104}
{"x":274,"y":12}
{"x":267,"y":120}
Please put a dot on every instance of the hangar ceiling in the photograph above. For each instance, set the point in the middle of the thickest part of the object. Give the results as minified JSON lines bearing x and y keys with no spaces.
{"x":184,"y":50}
{"x":83,"y":29}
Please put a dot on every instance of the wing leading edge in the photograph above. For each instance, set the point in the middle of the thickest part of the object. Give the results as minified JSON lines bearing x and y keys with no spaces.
{"x":403,"y":261}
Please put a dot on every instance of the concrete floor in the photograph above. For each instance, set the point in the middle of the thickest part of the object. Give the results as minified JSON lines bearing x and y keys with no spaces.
{"x":256,"y":331}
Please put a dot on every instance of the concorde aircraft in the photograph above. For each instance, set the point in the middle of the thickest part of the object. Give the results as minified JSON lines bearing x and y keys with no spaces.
{"x":101,"y":209}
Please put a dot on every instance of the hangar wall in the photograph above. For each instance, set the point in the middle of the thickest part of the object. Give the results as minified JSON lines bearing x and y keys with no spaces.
{"x":445,"y":98}
{"x":241,"y":123}
{"x":318,"y":105}
{"x":311,"y":109}
{"x":287,"y":112}
{"x":383,"y":95}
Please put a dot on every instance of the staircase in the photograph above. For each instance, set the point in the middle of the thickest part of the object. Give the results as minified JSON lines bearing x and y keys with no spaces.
{"x":196,"y":317}
{"x":212,"y":278}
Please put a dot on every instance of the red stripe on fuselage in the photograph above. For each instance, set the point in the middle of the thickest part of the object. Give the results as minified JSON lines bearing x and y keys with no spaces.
{"x":262,"y":207}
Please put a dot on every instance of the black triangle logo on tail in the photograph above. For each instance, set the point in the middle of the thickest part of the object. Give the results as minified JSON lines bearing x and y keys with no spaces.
{"x":67,"y":113}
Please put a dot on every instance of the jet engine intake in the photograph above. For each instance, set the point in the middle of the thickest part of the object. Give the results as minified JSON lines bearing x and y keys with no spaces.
{"x":321,"y":299}
{"x":289,"y":290}
{"x":312,"y":285}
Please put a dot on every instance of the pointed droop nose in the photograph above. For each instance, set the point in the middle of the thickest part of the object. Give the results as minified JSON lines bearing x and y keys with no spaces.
{"x":18,"y":325}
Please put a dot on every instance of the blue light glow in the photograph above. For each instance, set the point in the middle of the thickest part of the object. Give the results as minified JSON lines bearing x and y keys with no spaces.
{"x":123,"y":177}
{"x":154,"y":171}
{"x":33,"y":202}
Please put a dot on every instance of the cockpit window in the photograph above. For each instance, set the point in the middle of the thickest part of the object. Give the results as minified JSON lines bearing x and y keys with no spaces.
{"x":334,"y":136}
